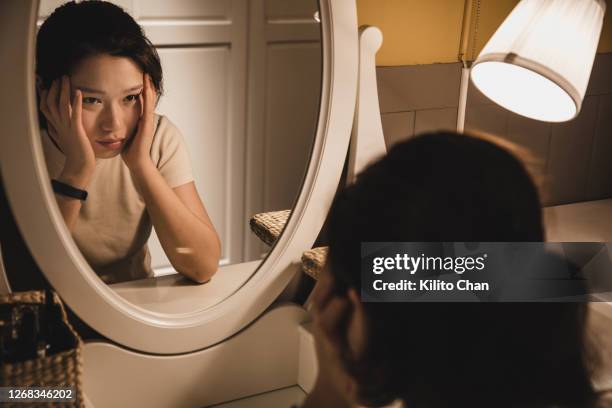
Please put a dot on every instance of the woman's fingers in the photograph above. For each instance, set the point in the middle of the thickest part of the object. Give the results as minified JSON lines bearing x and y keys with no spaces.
{"x":354,"y":298}
{"x":330,"y":320}
{"x":64,"y":100}
{"x":77,"y":111}
{"x":148,"y":109}
{"x":334,"y":312}
{"x":44,"y":108}
{"x":148,"y":95}
{"x":53,"y":133}
{"x":358,"y":324}
{"x":52,"y":100}
{"x":42,"y":105}
{"x":323,"y":290}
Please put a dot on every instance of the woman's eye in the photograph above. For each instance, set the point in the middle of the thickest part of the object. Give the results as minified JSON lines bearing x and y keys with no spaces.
{"x":91,"y":100}
{"x":132,"y":98}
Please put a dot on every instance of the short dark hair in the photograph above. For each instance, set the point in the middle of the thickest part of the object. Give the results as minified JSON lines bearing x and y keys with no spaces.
{"x":75,"y":31}
{"x":449,"y":187}
{"x":437,"y":187}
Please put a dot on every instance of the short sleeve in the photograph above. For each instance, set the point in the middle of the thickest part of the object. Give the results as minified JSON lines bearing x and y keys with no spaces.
{"x":169,"y":152}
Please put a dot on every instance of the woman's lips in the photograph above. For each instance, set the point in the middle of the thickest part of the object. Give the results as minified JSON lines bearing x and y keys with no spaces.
{"x":111,"y":144}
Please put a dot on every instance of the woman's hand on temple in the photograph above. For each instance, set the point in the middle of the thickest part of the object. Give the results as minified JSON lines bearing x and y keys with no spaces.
{"x":137,"y":150}
{"x":333,"y":318}
{"x":65,"y":126}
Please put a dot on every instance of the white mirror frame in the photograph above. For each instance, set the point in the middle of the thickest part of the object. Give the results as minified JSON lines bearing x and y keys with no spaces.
{"x":29,"y":193}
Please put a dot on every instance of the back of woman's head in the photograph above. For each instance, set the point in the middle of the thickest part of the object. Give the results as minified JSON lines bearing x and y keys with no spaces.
{"x":75,"y":31}
{"x":450,"y":187}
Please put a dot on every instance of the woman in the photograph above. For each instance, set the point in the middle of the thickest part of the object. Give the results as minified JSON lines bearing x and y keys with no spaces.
{"x":117,"y":168}
{"x":435,"y":188}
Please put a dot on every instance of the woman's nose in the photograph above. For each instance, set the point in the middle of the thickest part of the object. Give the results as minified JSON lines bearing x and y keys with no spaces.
{"x":111,"y":118}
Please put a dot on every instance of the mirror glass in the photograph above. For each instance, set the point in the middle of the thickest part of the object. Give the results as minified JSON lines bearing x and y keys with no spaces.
{"x":229,"y":137}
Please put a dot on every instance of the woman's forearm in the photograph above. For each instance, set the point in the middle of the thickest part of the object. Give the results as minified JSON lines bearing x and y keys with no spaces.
{"x":191,"y":244}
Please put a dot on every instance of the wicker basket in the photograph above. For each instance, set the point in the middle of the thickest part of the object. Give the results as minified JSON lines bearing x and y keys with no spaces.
{"x":268,"y":226}
{"x":60,"y":368}
{"x":314,"y":260}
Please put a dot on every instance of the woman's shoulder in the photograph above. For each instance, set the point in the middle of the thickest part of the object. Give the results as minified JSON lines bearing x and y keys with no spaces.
{"x":167,"y":136}
{"x":169,"y":152}
{"x":164,"y":126}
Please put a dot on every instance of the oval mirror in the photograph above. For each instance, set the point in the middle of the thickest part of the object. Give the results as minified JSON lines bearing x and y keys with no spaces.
{"x":263,"y":97}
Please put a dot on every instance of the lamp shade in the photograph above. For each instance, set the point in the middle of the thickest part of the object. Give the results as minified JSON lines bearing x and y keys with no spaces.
{"x":538,"y":62}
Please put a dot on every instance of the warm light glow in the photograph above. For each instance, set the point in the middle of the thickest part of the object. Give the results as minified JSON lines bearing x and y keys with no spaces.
{"x":523,"y":91}
{"x":539,"y":61}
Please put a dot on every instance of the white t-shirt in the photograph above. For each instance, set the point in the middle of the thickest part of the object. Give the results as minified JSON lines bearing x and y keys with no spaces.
{"x":113,"y":225}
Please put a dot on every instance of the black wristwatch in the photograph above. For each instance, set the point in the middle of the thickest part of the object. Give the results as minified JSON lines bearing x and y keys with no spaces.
{"x":68,"y":190}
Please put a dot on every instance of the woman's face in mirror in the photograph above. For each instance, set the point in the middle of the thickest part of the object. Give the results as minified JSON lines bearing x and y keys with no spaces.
{"x":111,"y":88}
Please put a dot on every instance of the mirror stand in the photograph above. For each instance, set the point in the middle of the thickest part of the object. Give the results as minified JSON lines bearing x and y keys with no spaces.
{"x":367,"y":139}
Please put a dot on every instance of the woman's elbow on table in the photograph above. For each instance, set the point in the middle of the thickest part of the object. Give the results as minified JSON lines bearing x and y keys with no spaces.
{"x":198,"y":274}
{"x":200,"y":269}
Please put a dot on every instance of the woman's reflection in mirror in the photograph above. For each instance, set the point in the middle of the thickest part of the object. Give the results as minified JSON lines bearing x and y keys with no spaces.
{"x":118,"y":169}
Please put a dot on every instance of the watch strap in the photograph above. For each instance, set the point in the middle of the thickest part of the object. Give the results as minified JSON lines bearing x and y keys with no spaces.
{"x":68,"y":190}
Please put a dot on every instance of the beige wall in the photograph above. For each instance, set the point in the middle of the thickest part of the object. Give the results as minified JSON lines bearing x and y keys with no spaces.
{"x":425,"y":32}
{"x":573,"y":157}
{"x":415,"y":32}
